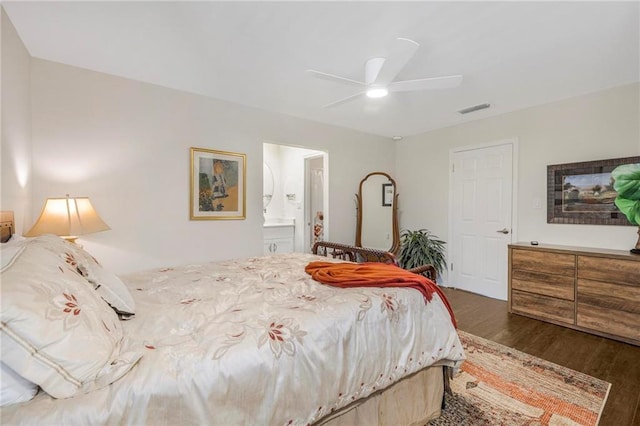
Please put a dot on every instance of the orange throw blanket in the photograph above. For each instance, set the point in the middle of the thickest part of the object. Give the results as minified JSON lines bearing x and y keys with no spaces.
{"x":373,"y":274}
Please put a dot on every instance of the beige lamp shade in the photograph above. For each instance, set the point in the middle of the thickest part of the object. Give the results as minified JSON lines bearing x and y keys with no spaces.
{"x":68,"y":218}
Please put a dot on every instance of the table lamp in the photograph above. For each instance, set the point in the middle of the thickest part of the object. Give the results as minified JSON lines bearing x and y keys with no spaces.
{"x":68,"y":218}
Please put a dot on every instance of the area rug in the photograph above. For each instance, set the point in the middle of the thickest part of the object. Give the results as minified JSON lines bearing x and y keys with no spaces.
{"x":498,"y":385}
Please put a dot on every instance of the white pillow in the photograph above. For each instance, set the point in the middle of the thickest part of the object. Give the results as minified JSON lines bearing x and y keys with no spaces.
{"x":56,"y":331}
{"x":8,"y":253}
{"x":107,"y":284}
{"x":14,"y":388}
{"x":15,"y":239}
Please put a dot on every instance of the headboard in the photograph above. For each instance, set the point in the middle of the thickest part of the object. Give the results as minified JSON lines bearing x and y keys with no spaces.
{"x":7,"y":226}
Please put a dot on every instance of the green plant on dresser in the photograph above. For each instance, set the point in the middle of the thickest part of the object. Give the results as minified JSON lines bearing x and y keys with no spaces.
{"x":627,"y":185}
{"x":421,"y":247}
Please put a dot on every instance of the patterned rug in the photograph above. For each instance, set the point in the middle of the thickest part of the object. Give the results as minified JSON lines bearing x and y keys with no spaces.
{"x":498,"y":385}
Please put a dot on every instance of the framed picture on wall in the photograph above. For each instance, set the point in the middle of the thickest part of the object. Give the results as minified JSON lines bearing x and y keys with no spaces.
{"x":387,"y":195}
{"x":217,"y":184}
{"x":583,"y":193}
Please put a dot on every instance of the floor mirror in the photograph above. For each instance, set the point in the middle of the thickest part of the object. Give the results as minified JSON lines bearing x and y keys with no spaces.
{"x":377,"y":203}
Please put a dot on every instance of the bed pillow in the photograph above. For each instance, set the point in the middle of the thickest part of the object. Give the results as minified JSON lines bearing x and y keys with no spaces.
{"x":107,"y":284}
{"x":8,"y":253}
{"x":14,"y":388}
{"x":55,"y":330}
{"x":15,"y":239}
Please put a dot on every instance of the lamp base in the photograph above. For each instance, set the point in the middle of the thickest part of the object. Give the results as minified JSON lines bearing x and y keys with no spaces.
{"x":70,"y":238}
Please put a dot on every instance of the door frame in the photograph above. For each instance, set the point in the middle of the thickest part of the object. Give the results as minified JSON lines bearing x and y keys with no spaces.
{"x":514,"y":193}
{"x":308,"y":214}
{"x":304,"y":203}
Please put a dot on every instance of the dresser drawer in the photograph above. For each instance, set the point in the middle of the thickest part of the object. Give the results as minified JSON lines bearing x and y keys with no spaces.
{"x":541,"y":261}
{"x":618,"y":323}
{"x":609,"y":270}
{"x":542,"y":306}
{"x":615,"y":297}
{"x":560,"y":286}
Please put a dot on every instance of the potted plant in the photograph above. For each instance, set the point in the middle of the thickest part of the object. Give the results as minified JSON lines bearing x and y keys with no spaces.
{"x":421,"y":247}
{"x":627,"y":185}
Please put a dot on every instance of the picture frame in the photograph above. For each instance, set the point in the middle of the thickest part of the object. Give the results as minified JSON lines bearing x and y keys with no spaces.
{"x":582,"y":193}
{"x":387,"y":195}
{"x":218,"y":189}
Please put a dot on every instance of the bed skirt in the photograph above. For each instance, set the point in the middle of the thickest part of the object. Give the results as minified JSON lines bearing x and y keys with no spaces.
{"x":412,"y":401}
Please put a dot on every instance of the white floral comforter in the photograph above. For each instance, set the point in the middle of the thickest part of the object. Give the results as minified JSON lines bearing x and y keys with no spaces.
{"x":256,"y":342}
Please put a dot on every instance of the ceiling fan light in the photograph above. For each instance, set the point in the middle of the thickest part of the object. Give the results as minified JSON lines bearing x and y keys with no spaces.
{"x":377,"y":92}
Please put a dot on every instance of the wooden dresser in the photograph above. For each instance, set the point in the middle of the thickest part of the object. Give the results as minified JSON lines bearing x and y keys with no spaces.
{"x":592,"y":290}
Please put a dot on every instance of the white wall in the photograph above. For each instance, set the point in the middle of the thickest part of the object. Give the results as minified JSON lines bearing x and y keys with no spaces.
{"x":15,"y":152}
{"x":596,"y":126}
{"x":125,"y":144}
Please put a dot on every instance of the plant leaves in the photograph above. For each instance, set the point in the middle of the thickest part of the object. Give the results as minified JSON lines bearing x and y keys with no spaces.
{"x":421,"y":247}
{"x":627,"y":185}
{"x":630,"y":208}
{"x":627,"y":181}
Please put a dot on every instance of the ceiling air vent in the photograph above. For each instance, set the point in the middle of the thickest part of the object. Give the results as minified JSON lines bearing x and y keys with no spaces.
{"x":474,"y":108}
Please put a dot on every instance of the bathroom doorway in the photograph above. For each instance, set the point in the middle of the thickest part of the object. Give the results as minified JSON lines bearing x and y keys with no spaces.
{"x":299,"y":196}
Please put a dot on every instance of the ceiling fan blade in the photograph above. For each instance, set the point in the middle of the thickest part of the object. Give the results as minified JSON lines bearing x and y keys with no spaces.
{"x":344,"y":100}
{"x":402,"y":51}
{"x":372,"y":68}
{"x":433,"y":83}
{"x":335,"y":78}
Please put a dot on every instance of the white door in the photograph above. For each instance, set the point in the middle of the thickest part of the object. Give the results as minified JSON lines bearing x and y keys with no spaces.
{"x":481,"y":215}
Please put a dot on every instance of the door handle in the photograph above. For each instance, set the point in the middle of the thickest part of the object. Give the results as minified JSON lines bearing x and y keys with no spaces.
{"x":503,"y":231}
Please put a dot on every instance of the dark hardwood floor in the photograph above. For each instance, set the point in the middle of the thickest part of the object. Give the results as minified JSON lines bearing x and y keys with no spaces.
{"x":615,"y":362}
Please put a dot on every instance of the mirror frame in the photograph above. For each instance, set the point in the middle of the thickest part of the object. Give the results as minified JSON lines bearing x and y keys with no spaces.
{"x":395,"y":245}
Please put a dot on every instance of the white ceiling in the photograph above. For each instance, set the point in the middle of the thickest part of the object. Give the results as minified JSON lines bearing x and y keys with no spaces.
{"x":512,"y":55}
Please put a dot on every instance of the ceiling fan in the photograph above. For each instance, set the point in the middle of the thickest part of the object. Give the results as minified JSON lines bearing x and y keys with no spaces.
{"x":379,"y":75}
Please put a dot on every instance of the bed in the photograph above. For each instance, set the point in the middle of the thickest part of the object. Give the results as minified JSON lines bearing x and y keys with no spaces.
{"x":247,"y":341}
